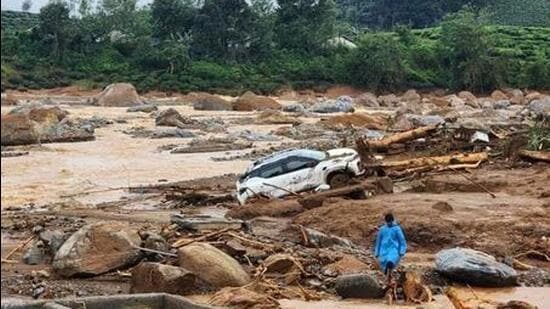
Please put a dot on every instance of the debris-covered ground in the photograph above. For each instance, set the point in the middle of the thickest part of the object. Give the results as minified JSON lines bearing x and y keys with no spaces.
{"x":133,"y":195}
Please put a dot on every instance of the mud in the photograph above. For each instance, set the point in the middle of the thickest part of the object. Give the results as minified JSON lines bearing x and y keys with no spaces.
{"x":137,"y":180}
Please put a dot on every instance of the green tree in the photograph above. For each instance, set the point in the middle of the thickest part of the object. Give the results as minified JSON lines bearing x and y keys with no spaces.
{"x":377,"y":63}
{"x":175,"y":51}
{"x":172,"y":17}
{"x":224,"y":29}
{"x":521,"y":13}
{"x":465,"y":48}
{"x":305,"y":25}
{"x":55,"y":28}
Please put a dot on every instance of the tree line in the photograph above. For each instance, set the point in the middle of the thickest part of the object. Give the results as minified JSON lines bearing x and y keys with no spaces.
{"x":236,"y":45}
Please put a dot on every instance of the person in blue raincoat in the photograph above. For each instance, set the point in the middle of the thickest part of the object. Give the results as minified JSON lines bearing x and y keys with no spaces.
{"x":390,"y":245}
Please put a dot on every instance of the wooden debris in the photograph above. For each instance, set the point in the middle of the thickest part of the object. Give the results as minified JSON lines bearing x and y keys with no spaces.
{"x":184,"y":241}
{"x":253,"y":243}
{"x":457,"y":302}
{"x":155,"y":251}
{"x":535,"y":254}
{"x":476,"y":183}
{"x":399,"y":138}
{"x":517,"y":264}
{"x":281,"y":188}
{"x":20,"y":246}
{"x":433,"y":161}
{"x":315,"y":199}
{"x":535,"y":155}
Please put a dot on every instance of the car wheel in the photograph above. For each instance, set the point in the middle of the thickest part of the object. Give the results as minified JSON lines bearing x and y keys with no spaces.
{"x":338,"y":180}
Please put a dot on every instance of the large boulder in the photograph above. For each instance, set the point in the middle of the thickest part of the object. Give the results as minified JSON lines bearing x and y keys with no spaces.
{"x":118,"y":95}
{"x":498,"y":95}
{"x":212,"y":265}
{"x":366,"y":99}
{"x":474,"y":267}
{"x":209,"y":102}
{"x":533,"y":95}
{"x":343,"y":104}
{"x":150,"y":277}
{"x":98,"y":248}
{"x":17,"y":130}
{"x":540,"y":107}
{"x":467,"y":96}
{"x":411,"y":96}
{"x":388,"y":100}
{"x":251,"y":102}
{"x":34,"y":123}
{"x":358,"y":286}
{"x":172,"y":118}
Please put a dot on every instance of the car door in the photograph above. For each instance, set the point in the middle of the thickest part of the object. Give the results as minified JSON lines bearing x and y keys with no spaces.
{"x":299,"y":172}
{"x":271,"y":177}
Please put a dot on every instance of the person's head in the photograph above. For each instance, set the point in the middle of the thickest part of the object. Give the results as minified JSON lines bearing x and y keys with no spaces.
{"x":389,"y":218}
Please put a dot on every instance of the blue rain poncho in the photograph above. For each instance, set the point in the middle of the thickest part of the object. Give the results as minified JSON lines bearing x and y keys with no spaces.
{"x":390,"y":245}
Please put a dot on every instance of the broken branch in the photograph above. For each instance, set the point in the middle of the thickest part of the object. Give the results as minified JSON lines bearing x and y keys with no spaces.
{"x":184,"y":242}
{"x":154,"y":251}
{"x":20,"y":246}
{"x":281,"y":188}
{"x":476,"y":183}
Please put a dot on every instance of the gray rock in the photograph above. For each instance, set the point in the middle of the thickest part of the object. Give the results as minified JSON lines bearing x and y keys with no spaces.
{"x":367,"y":99}
{"x":342,"y":105}
{"x":358,"y":286}
{"x":172,"y":132}
{"x":322,"y":240}
{"x":425,"y":120}
{"x":36,"y":254}
{"x":294,"y":108}
{"x":501,"y":104}
{"x":154,"y":277}
{"x":142,"y":108}
{"x":155,"y":242}
{"x":540,"y":108}
{"x":172,"y":118}
{"x":474,"y":267}
{"x":254,"y":136}
{"x":54,"y":239}
{"x":98,"y":248}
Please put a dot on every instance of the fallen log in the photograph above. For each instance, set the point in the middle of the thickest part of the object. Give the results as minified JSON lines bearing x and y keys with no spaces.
{"x":535,"y":155}
{"x":433,"y":161}
{"x":316,"y":199}
{"x":385,"y":142}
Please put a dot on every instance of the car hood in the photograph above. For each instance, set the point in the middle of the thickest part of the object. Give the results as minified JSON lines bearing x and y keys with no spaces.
{"x":341,"y":153}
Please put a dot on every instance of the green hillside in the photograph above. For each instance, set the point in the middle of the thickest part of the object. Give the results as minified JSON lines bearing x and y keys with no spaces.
{"x":18,"y":21}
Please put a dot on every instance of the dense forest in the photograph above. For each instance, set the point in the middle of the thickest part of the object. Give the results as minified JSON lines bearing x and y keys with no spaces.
{"x":229,"y":46}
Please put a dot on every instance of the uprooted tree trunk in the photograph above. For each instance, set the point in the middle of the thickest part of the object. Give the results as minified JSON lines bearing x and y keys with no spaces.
{"x":433,"y":161}
{"x":396,"y":138}
{"x":535,"y":155}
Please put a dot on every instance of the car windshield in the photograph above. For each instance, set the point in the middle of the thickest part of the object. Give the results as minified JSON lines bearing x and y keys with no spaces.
{"x":274,"y":166}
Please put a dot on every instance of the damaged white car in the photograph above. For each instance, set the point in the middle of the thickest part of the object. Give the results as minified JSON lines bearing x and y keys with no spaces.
{"x":297,"y":170}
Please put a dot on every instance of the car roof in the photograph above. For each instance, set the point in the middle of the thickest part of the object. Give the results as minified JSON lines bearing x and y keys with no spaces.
{"x":308,"y":153}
